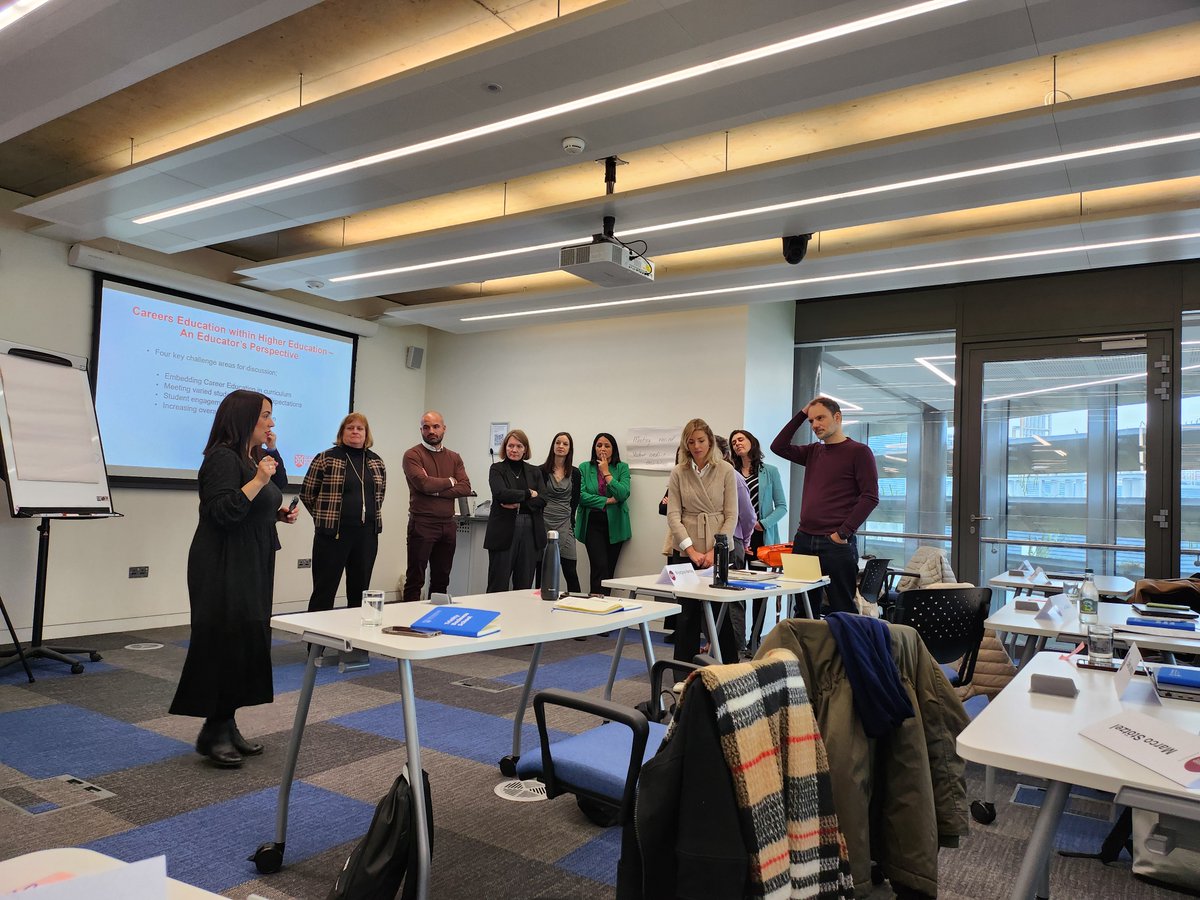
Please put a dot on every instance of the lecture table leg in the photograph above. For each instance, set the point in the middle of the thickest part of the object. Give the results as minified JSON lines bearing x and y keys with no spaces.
{"x":1034,"y":872}
{"x":416,"y":776}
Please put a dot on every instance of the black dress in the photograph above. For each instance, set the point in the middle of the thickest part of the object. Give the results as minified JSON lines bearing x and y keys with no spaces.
{"x":230,"y":575}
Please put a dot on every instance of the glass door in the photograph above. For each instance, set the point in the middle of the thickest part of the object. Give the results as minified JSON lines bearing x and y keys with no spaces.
{"x":1071,"y":443}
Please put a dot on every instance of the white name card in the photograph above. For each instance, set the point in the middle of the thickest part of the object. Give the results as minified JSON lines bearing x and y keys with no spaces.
{"x":1124,"y":684}
{"x":1049,"y":610}
{"x":680,"y":575}
{"x":1039,"y":576}
{"x":1160,"y":746}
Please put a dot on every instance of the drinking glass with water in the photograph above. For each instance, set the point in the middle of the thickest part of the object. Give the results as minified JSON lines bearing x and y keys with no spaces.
{"x":372,"y":608}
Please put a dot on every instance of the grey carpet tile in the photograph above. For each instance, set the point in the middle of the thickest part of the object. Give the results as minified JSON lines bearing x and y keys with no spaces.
{"x":9,"y":775}
{"x":465,"y":869}
{"x":165,"y":663}
{"x":465,"y":803}
{"x":70,"y":827}
{"x":15,"y":697}
{"x":306,"y":879}
{"x":121,"y":694}
{"x":329,"y":701}
{"x":113,"y":640}
{"x":560,"y":650}
{"x":480,"y":665}
{"x":160,"y":790}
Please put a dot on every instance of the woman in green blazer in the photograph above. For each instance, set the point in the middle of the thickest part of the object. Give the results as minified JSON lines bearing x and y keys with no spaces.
{"x":602,"y":522}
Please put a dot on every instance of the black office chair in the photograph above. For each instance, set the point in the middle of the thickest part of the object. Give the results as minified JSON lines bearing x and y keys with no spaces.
{"x":950,"y":622}
{"x":872,"y":585}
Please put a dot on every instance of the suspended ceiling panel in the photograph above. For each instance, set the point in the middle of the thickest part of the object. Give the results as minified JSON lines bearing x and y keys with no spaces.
{"x":589,"y":52}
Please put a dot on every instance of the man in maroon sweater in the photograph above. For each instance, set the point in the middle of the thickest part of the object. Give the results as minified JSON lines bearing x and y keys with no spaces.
{"x":436,"y":477}
{"x":841,"y":487}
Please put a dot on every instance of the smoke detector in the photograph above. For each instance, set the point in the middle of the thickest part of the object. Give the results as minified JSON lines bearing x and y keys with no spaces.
{"x":573,"y":146}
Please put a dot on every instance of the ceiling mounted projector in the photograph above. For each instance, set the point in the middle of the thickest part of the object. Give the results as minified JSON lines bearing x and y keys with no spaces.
{"x":606,"y":261}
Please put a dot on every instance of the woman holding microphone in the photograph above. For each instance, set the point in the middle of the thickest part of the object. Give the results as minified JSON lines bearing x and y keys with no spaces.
{"x":230,"y":576}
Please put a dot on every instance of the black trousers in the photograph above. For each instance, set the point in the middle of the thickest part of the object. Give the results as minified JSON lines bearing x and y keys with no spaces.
{"x":602,"y":555}
{"x":517,"y":564}
{"x":839,"y":562}
{"x":690,"y":621}
{"x":352,"y":551}
{"x":431,"y":543}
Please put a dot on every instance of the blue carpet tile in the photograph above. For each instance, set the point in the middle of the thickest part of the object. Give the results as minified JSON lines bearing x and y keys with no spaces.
{"x":208,"y":847}
{"x":85,"y":743}
{"x":449,"y":729}
{"x":46,"y":669}
{"x":582,"y":673}
{"x":597,"y":859}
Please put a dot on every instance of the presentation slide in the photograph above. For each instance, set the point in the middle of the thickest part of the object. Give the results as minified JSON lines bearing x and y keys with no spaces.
{"x":163,"y":363}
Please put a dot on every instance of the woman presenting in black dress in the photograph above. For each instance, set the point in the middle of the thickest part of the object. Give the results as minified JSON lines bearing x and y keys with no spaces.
{"x":230,"y":575}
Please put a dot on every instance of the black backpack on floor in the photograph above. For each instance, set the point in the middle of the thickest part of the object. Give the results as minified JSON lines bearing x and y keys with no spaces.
{"x":376,"y":867}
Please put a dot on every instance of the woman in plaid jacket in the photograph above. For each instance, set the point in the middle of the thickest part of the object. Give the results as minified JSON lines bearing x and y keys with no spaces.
{"x":343,"y":491}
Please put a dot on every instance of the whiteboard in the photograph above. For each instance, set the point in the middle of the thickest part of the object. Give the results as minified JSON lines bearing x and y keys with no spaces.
{"x":52,"y":458}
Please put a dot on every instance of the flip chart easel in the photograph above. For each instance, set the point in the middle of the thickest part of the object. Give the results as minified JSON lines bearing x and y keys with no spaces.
{"x":52,"y":464}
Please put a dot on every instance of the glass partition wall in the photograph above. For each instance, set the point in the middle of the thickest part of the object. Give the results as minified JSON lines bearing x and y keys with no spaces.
{"x":1063,"y":473}
{"x":1189,"y":465}
{"x":897,"y":396}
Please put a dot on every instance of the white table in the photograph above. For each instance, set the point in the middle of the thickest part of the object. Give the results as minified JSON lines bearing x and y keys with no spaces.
{"x":524,"y":619}
{"x":19,"y":871}
{"x":1038,"y":735}
{"x":1107,"y":585}
{"x":1013,"y":621}
{"x":647,"y":585}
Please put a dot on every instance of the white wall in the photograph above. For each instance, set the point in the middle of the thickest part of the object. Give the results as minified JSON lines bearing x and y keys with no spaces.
{"x":609,"y":375}
{"x":731,"y":366}
{"x":46,"y":303}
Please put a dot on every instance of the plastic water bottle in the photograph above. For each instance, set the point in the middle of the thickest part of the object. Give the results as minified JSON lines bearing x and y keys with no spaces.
{"x":721,"y":561}
{"x":550,"y":567}
{"x":1089,"y":599}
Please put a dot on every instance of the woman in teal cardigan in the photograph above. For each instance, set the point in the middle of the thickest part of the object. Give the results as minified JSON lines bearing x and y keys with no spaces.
{"x":602,"y":521}
{"x":766,"y":490}
{"x":766,"y":487}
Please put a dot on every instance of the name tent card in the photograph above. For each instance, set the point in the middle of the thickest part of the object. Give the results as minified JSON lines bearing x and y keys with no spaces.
{"x":1123,"y":681}
{"x":680,"y":575}
{"x":1159,"y":746}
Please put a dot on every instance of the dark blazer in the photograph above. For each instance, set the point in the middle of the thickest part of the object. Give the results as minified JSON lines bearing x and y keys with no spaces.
{"x":505,"y":489}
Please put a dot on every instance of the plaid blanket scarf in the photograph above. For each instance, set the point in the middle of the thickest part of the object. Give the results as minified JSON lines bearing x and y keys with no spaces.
{"x":781,"y":779}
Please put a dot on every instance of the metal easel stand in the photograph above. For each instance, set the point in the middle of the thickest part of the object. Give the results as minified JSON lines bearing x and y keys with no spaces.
{"x":38,"y":650}
{"x":17,"y":650}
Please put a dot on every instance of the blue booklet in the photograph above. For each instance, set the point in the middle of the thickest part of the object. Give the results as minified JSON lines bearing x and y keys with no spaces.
{"x":1172,"y":624}
{"x":460,"y":621}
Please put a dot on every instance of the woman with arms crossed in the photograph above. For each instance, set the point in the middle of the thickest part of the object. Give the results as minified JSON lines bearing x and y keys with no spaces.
{"x":343,"y":491}
{"x":515,"y":532}
{"x":603,"y":524}
{"x":702,"y":502}
{"x":562,"y":499}
{"x":230,"y":576}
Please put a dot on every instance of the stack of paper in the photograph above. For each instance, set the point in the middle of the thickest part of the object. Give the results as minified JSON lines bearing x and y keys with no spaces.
{"x":597,"y":606}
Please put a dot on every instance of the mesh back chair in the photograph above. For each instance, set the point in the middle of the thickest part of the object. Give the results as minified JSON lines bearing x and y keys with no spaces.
{"x":873,"y":583}
{"x":950,"y":622}
{"x":600,"y":766}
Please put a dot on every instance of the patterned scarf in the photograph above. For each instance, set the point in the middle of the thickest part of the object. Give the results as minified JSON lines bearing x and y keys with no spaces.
{"x":781,"y":779}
